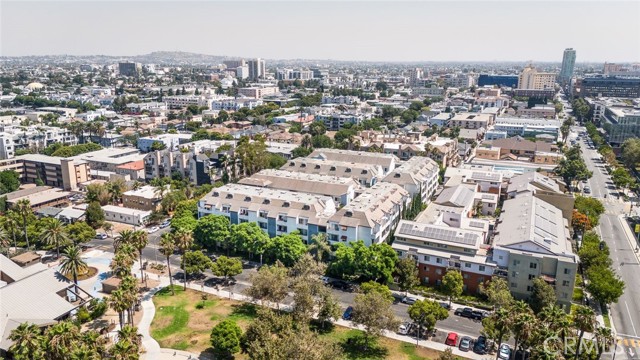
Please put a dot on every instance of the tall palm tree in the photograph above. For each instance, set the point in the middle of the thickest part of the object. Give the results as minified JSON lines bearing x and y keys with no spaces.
{"x":129,"y":286}
{"x":5,"y":240}
{"x":54,"y":234}
{"x":28,"y":342}
{"x":584,"y":320}
{"x":167,"y":247}
{"x":116,"y":188}
{"x":523,"y":323}
{"x":306,"y":141}
{"x":82,"y":351}
{"x":123,"y":260}
{"x":556,"y":319}
{"x":319,"y":245}
{"x":96,"y":342}
{"x":184,"y":241}
{"x":118,"y":302}
{"x":124,"y":237}
{"x":23,"y":208}
{"x":72,"y":263}
{"x":140,"y":241}
{"x":604,"y":339}
{"x":12,"y":226}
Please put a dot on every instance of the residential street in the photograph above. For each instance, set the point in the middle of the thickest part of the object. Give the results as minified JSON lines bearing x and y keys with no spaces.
{"x":626,"y":313}
{"x":460,"y":325}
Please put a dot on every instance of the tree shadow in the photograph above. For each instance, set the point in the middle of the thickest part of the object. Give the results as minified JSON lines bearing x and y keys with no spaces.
{"x":359,"y":347}
{"x":244,"y":310}
{"x":321,"y":327}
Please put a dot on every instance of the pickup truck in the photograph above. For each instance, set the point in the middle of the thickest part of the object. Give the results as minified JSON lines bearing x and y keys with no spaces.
{"x":469,"y":313}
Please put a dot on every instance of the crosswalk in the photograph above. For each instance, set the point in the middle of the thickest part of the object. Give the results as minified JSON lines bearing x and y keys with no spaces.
{"x":628,"y":342}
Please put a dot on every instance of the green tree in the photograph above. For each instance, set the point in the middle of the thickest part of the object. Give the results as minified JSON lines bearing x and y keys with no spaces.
{"x":374,"y":313}
{"x":591,"y":207}
{"x":497,"y":292}
{"x":372,"y":286}
{"x":317,"y":128}
{"x":319,"y":246}
{"x":167,"y":248}
{"x":321,"y":141}
{"x":426,"y":313}
{"x":604,"y":284}
{"x":250,"y":238}
{"x":195,"y":262}
{"x":631,"y":152}
{"x":497,"y":327}
{"x":584,"y":320}
{"x":452,"y":284}
{"x":407,"y":271}
{"x":28,"y":342}
{"x":54,"y":234}
{"x":226,"y":267}
{"x":270,"y":283}
{"x":72,"y":263}
{"x":9,"y":181}
{"x":542,"y":295}
{"x":225,"y":338}
{"x":158,"y":146}
{"x":184,"y":242}
{"x":94,"y":215}
{"x":23,"y":209}
{"x":286,"y":248}
{"x":139,"y":242}
{"x":301,"y":151}
{"x":622,"y":178}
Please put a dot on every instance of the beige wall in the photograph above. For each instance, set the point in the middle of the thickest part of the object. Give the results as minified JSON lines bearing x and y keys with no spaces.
{"x":490,"y":154}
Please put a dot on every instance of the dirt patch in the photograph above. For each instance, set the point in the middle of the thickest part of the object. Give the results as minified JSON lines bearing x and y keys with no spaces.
{"x":91,"y":272}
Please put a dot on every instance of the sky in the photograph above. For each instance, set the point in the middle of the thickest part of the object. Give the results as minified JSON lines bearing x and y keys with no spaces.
{"x":508,"y":30}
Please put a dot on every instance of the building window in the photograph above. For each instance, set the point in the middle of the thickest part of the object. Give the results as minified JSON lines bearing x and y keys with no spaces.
{"x":263,"y":225}
{"x":427,"y":258}
{"x":567,"y":271}
{"x":243,"y":221}
{"x":516,"y":262}
{"x":282,"y":228}
{"x":439,"y":271}
{"x":465,"y":276}
{"x":565,"y":295}
{"x":531,"y":276}
{"x":513,"y":274}
{"x":529,"y":288}
{"x":438,"y":261}
{"x":565,"y":282}
{"x":514,"y":285}
{"x":426,"y":268}
{"x":533,"y":265}
{"x":467,"y":265}
{"x":481,"y":268}
{"x":303,"y":232}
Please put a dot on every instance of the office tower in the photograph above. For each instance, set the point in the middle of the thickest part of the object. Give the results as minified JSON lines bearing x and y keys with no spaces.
{"x":129,"y":68}
{"x":256,"y":69}
{"x":568,"y":63}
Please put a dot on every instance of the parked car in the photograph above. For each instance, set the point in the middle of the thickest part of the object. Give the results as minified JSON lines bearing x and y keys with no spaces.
{"x":409,"y":300}
{"x":165,"y":224}
{"x":504,"y":352}
{"x":465,"y":344}
{"x":522,"y":355}
{"x":101,"y":236}
{"x":404,"y":328}
{"x":340,"y":285}
{"x":480,"y":345}
{"x":477,"y":315}
{"x":464,"y":312}
{"x":587,"y":190}
{"x":347,"y":313}
{"x":452,"y":339}
{"x":397,"y":297}
{"x":445,"y":305}
{"x":151,"y":230}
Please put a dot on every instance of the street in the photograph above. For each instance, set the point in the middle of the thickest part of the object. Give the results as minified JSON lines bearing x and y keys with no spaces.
{"x":626,"y":313}
{"x":460,"y":325}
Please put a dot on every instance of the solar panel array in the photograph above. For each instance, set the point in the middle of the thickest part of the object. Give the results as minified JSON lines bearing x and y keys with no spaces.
{"x":439,"y":234}
{"x":485,"y":176}
{"x":476,"y":224}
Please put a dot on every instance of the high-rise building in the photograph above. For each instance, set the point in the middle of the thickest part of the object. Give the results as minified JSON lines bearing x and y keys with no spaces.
{"x":256,"y":69}
{"x":415,"y":75}
{"x":531,"y":79}
{"x":232,"y":64}
{"x":568,"y":64}
{"x":129,"y":68}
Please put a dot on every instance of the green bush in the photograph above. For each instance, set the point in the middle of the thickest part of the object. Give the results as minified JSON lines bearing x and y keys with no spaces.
{"x":83,"y":315}
{"x":98,"y":308}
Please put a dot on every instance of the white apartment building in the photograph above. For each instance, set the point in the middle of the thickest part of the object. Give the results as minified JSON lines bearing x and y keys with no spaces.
{"x":231,"y":104}
{"x":258,"y":92}
{"x":180,"y":101}
{"x":171,"y":141}
{"x":365,"y":174}
{"x":385,"y":161}
{"x":14,"y":138}
{"x":370,"y":217}
{"x":418,"y":175}
{"x":531,"y":79}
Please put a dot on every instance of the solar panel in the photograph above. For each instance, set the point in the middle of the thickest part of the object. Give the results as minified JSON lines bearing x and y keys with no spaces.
{"x":439,"y":234}
{"x":485,"y":176}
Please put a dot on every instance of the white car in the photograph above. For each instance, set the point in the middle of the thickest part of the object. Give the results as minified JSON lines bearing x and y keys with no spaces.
{"x":504,"y":353}
{"x":404,"y":328}
{"x":152,"y":230}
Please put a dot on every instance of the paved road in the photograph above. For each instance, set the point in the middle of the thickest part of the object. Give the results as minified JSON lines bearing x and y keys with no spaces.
{"x":626,"y":313}
{"x":462,"y":326}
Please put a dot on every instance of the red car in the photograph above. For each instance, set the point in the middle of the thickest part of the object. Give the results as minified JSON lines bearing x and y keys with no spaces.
{"x":452,"y":339}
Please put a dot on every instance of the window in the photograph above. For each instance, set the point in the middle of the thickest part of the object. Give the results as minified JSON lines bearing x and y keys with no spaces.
{"x":567,"y":271}
{"x":226,"y":208}
{"x":263,"y":214}
{"x":427,"y":258}
{"x":529,"y":288}
{"x":244,"y":212}
{"x":465,"y":276}
{"x":243,"y":221}
{"x":426,"y":268}
{"x":439,"y":271}
{"x":467,"y":265}
{"x":282,"y":228}
{"x":531,"y":276}
{"x":263,"y":225}
{"x":303,"y":232}
{"x":565,"y":282}
{"x":513,"y":274}
{"x":303,"y":221}
{"x":516,"y":262}
{"x":514,"y":285}
{"x":438,"y":261}
{"x":565,"y":295}
{"x":480,"y":279}
{"x":282,"y":217}
{"x":500,"y":257}
{"x":481,"y":268}
{"x":533,"y":265}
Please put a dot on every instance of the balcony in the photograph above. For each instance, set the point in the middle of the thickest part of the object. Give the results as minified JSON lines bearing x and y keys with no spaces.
{"x":551,"y":280}
{"x":501,"y":272}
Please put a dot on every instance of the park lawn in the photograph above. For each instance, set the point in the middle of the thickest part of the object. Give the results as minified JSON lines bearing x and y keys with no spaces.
{"x":179,"y":324}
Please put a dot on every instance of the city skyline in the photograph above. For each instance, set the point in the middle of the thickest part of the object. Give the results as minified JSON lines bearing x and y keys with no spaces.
{"x":367,"y":31}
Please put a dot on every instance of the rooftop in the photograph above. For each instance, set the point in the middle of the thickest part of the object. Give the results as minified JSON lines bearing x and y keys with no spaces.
{"x":37,"y":195}
{"x":147,"y":192}
{"x":373,"y":206}
{"x":384,"y":160}
{"x":303,"y":182}
{"x":125,"y":210}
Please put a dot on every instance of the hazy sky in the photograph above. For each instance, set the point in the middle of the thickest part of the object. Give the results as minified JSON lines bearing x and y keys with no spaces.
{"x":323,"y":29}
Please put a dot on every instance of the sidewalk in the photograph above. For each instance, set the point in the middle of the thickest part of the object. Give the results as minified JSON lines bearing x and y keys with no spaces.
{"x":153,"y":350}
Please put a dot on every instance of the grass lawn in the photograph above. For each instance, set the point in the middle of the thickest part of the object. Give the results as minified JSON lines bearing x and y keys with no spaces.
{"x":180,"y":323}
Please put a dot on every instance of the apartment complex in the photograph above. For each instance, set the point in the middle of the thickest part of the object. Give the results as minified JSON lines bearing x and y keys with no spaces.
{"x":532,"y":240}
{"x":622,"y":122}
{"x":258,"y":92}
{"x":384,"y":161}
{"x":277,"y":212}
{"x":145,"y":198}
{"x":611,"y":86}
{"x":364,"y":174}
{"x":418,"y":175}
{"x":65,"y":173}
{"x":370,"y":217}
{"x":471,"y":121}
{"x":341,"y":189}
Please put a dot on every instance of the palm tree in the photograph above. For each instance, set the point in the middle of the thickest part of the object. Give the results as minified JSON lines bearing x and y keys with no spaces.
{"x":319,"y":245}
{"x":604,"y":339}
{"x":82,"y":351}
{"x":129,"y":286}
{"x":130,"y":334}
{"x":556,"y":319}
{"x":184,"y":241}
{"x":27,"y":342}
{"x":96,"y":342}
{"x":12,"y":225}
{"x":108,"y":228}
{"x":72,"y":263}
{"x":5,"y":240}
{"x":60,"y":339}
{"x":118,"y":302}
{"x":54,"y":234}
{"x":140,"y":241}
{"x":167,"y":247}
{"x":23,"y":208}
{"x":116,"y":188}
{"x":124,"y":237}
{"x":523,"y":323}
{"x":124,"y":350}
{"x":123,"y":260}
{"x":306,"y":141}
{"x":584,"y":320}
